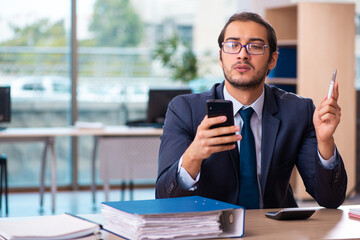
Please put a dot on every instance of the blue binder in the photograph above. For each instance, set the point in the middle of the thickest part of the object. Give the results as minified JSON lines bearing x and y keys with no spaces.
{"x":231,"y":216}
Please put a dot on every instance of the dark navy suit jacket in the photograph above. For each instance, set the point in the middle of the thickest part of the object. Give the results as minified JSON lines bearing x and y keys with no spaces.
{"x":288,"y":140}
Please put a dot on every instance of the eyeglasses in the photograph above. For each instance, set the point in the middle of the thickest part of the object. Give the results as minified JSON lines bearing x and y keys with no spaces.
{"x":251,"y":48}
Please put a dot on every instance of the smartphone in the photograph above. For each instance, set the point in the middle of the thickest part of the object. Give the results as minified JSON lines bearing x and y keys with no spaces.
{"x":291,"y":214}
{"x":219,"y":107}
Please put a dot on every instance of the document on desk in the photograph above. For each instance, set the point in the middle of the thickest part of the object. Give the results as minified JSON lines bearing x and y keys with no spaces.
{"x":180,"y":218}
{"x":354,"y":213}
{"x":89,"y":125}
{"x":63,"y":226}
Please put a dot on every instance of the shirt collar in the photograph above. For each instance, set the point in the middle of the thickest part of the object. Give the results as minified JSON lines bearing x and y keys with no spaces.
{"x":257,"y":105}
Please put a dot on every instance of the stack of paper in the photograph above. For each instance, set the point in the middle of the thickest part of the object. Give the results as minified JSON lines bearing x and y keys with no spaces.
{"x":354,"y":213}
{"x":61,"y":226}
{"x":89,"y":125}
{"x":174,"y":218}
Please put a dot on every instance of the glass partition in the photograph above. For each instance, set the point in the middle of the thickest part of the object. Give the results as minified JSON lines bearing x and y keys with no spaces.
{"x":117,"y":67}
{"x":122,"y":45}
{"x":34,"y":62}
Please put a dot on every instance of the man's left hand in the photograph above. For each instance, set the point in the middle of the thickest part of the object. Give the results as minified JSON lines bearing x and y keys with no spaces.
{"x":326,"y":118}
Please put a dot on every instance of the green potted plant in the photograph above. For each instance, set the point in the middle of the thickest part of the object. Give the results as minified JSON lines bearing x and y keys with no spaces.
{"x":179,"y":58}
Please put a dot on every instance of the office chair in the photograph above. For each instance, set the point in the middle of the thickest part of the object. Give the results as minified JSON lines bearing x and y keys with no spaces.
{"x":4,"y":181}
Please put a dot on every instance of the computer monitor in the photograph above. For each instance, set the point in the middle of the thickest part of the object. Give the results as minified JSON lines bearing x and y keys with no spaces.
{"x":5,"y":104}
{"x":158,"y":103}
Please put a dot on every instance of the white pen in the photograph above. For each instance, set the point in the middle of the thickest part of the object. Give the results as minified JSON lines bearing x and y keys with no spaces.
{"x":332,"y":84}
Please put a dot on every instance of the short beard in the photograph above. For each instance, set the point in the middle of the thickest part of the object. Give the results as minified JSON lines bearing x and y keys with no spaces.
{"x":255,"y":82}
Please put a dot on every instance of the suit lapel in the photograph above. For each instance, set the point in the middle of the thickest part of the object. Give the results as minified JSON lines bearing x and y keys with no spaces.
{"x":219,"y":90}
{"x":270,"y":127}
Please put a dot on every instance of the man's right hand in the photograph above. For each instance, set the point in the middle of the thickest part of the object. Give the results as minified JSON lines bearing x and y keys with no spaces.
{"x":208,"y":141}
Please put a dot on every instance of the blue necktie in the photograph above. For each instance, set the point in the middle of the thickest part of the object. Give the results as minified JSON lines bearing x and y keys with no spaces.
{"x":249,"y":191}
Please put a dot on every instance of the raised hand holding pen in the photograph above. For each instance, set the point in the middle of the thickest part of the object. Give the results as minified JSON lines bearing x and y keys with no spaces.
{"x":326,"y":119}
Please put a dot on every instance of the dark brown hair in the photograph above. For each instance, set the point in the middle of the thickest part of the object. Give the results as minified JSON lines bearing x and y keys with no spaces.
{"x":249,"y":16}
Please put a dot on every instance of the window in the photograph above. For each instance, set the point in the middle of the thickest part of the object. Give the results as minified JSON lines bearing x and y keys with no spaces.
{"x":116,"y":67}
{"x":34,"y":61}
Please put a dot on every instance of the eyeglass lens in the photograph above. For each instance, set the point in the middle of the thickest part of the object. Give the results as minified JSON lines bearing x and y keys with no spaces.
{"x":251,"y":48}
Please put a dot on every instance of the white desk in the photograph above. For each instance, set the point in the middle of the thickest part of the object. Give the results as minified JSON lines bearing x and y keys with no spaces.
{"x":47,"y":135}
{"x":118,"y":146}
{"x":126,"y":158}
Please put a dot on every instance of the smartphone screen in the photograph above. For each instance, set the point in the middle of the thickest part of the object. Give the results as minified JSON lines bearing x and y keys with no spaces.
{"x":219,"y":107}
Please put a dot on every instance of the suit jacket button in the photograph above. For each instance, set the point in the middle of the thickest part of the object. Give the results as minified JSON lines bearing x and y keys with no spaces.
{"x":337,"y":176}
{"x":171,"y":187}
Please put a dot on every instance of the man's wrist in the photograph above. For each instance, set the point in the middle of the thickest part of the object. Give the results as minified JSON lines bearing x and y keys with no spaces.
{"x":329,"y":163}
{"x":184,"y":179}
{"x":326,"y":148}
{"x":190,"y":164}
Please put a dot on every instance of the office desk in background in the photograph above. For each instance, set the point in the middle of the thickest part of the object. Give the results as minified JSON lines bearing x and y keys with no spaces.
{"x":134,"y":147}
{"x":47,"y":135}
{"x":127,"y":157}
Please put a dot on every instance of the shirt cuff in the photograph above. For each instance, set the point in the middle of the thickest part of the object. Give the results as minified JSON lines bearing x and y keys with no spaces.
{"x":184,"y":178}
{"x":330,"y":163}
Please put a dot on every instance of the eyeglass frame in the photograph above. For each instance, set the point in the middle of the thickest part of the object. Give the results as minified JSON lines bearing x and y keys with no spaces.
{"x":246,"y":46}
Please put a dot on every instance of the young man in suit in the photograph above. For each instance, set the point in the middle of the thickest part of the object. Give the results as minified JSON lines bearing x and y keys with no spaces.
{"x":286,"y":129}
